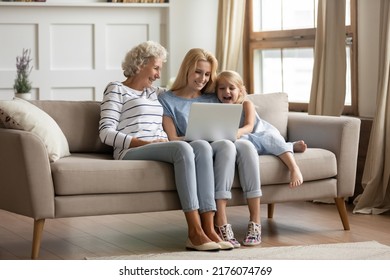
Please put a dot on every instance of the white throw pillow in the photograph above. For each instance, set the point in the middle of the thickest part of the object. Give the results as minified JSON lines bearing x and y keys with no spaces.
{"x":21,"y":114}
{"x":273,"y":108}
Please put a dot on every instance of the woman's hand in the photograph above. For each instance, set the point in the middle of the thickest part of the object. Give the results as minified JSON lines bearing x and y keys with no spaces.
{"x":181,"y":138}
{"x":160,"y":140}
{"x":170,"y":129}
{"x":136,"y":142}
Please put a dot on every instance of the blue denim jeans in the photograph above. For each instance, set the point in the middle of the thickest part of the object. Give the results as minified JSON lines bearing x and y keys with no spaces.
{"x":199,"y":167}
{"x":248,"y":171}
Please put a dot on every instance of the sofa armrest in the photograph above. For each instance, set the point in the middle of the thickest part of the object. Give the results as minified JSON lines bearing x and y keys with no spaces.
{"x":26,"y":183}
{"x":339,"y":135}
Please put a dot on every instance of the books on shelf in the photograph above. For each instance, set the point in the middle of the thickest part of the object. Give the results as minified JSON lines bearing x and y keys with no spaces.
{"x":23,"y":1}
{"x":111,"y":1}
{"x":138,"y":1}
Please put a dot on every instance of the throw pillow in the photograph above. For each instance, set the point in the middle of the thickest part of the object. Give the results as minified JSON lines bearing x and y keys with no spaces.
{"x":273,"y":108}
{"x":21,"y":114}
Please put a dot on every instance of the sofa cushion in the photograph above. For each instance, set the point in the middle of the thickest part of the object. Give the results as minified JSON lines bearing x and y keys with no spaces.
{"x":21,"y":114}
{"x":315,"y":164}
{"x":100,"y":174}
{"x":273,"y":108}
{"x":79,"y":120}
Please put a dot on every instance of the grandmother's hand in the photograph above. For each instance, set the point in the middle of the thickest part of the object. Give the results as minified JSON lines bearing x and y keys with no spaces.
{"x":136,"y":142}
{"x":160,"y":140}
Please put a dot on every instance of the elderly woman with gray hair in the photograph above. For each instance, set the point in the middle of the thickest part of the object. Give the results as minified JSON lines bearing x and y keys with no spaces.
{"x":131,"y":122}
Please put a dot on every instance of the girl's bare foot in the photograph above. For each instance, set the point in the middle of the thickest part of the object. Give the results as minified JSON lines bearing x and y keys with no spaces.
{"x":296,"y":178}
{"x":299,"y":146}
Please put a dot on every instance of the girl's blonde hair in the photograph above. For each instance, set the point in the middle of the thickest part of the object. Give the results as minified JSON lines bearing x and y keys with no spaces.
{"x":140,"y":55}
{"x":235,"y":79}
{"x":189,"y":65}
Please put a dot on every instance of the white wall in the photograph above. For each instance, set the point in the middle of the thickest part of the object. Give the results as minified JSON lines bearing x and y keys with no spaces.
{"x":193,"y":24}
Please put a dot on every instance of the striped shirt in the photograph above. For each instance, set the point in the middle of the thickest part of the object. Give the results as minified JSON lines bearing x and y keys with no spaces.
{"x":126,"y":113}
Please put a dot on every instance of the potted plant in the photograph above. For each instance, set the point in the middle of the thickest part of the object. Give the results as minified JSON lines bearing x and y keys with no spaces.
{"x":22,"y":85}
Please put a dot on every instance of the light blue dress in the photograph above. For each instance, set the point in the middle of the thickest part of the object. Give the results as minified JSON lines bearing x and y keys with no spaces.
{"x":267,"y":138}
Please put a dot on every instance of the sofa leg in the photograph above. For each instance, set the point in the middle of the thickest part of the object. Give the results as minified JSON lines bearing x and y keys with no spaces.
{"x":270,"y":211}
{"x":37,"y":236}
{"x":340,"y":204}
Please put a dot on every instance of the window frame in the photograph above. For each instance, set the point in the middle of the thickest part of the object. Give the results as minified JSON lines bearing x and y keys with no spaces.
{"x":292,"y":39}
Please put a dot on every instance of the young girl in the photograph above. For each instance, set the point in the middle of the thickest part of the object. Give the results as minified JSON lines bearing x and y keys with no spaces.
{"x":266,"y":138}
{"x":196,"y":83}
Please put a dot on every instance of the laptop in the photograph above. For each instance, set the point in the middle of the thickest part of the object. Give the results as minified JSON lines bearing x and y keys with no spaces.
{"x":213,"y":121}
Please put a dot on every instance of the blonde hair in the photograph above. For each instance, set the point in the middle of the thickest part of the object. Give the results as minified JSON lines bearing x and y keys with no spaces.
{"x":235,"y":79}
{"x":140,"y":55}
{"x":189,"y":65}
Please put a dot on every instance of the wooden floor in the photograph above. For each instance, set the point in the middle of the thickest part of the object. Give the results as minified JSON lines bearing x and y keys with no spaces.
{"x":302,"y":223}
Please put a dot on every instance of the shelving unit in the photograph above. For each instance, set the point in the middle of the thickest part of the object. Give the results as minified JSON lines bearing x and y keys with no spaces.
{"x":80,"y":4}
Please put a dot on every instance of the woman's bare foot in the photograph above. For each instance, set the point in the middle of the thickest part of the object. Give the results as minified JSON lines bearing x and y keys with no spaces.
{"x":199,"y":238}
{"x":296,"y":178}
{"x":299,"y":146}
{"x":196,"y":233}
{"x":212,"y":234}
{"x":223,"y":245}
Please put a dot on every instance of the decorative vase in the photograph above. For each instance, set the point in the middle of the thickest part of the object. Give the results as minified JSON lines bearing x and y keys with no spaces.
{"x":25,"y":95}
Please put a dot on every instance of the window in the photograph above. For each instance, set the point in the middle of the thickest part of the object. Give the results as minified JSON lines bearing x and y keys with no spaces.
{"x":279,"y":49}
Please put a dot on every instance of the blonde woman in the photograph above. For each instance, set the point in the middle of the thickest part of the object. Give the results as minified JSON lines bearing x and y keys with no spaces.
{"x":196,"y":83}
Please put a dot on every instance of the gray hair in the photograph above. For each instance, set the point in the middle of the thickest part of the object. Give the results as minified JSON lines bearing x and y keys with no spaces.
{"x":139,"y":56}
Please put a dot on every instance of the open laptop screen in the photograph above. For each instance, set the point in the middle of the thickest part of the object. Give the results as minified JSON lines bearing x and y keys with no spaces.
{"x":213,"y":121}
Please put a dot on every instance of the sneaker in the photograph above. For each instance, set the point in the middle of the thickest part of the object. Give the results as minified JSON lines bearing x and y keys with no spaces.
{"x":226,"y":234}
{"x":253,"y":236}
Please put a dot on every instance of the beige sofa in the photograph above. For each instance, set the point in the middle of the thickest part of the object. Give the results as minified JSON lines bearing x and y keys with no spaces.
{"x":90,"y":182}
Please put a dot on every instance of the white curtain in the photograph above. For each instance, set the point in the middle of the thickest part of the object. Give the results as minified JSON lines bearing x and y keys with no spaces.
{"x":229,"y":33}
{"x":329,"y":72}
{"x":375,"y":198}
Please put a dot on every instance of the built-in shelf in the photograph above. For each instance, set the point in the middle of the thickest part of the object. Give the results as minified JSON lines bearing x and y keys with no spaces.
{"x":98,"y":4}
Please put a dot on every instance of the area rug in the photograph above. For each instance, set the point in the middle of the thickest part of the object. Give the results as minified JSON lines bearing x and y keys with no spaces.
{"x":369,"y":250}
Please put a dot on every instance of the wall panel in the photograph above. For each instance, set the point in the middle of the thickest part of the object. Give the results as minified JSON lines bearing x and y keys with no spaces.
{"x":76,"y":49}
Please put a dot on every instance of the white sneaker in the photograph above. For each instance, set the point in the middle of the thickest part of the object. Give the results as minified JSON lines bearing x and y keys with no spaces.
{"x":253,"y":236}
{"x":226,"y":234}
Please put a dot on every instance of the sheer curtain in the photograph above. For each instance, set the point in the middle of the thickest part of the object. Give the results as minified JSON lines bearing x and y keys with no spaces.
{"x":329,"y":72}
{"x":375,"y":198}
{"x":229,"y":33}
